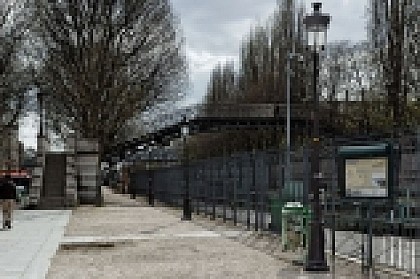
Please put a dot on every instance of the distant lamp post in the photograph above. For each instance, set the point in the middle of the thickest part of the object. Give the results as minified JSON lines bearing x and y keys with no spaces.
{"x":316,"y":30}
{"x":185,"y":130}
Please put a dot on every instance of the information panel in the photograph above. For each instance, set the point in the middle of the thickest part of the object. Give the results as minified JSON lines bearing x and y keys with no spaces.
{"x":366,"y":177}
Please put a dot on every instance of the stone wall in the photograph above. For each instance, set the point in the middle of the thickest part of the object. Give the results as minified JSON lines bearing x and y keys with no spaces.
{"x":88,"y":170}
{"x":82,"y":172}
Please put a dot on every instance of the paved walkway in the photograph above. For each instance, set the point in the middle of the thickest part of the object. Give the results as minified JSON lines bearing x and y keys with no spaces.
{"x":27,"y":248}
{"x":128,"y":239}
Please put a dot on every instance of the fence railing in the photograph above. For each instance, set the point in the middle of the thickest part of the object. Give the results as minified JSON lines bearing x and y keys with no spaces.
{"x":240,"y":188}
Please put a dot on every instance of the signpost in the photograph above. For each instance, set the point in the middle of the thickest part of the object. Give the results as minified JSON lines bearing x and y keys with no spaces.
{"x":365,"y":176}
{"x":365,"y":172}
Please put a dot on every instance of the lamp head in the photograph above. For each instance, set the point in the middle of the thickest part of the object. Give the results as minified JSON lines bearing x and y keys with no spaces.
{"x":316,"y":25}
{"x":185,"y":128}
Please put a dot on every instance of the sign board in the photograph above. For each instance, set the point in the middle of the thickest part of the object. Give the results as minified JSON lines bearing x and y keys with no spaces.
{"x":366,"y":177}
{"x":365,"y":171}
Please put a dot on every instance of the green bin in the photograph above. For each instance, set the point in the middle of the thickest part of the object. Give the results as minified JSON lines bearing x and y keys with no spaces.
{"x":295,"y":225}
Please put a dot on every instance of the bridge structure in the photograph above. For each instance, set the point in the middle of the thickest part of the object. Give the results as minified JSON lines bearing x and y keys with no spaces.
{"x":223,"y":117}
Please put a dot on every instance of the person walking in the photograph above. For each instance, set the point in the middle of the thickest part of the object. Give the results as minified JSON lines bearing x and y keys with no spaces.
{"x":8,"y":195}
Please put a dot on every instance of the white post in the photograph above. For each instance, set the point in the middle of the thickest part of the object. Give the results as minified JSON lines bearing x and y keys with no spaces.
{"x":382,"y":257}
{"x":413,"y":256}
{"x":400,"y":252}
{"x":392,"y":240}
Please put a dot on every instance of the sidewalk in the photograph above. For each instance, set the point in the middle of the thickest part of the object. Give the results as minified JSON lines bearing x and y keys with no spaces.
{"x":129,"y":239}
{"x":27,"y":248}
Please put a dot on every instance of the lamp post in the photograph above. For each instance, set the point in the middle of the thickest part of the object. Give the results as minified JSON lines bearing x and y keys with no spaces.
{"x":41,"y":146}
{"x":316,"y":30}
{"x":288,"y":114}
{"x":289,"y":57}
{"x":185,"y":130}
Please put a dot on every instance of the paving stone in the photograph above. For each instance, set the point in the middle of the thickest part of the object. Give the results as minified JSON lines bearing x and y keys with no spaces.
{"x":163,"y":246}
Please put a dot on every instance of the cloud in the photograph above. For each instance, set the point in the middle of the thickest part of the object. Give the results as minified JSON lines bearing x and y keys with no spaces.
{"x":348,"y":21}
{"x":214,"y":29}
{"x":204,"y":61}
{"x":217,"y":26}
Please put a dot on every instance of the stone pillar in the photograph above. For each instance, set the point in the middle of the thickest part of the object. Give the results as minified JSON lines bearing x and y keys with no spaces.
{"x":37,"y":174}
{"x":71,"y":181}
{"x":88,"y":170}
{"x":71,"y":172}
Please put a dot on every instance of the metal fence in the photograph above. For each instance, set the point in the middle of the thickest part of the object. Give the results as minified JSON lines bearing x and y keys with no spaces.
{"x":241,"y":188}
{"x":243,"y":183}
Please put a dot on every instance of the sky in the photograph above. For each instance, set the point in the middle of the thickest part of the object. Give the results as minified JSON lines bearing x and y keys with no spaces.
{"x":214,"y":30}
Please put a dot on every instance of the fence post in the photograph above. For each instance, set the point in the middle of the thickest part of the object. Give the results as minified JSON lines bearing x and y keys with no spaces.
{"x":370,"y":239}
{"x":248,"y":211}
{"x":224,"y":195}
{"x":413,"y":253}
{"x":333,"y":196}
{"x":264,"y":184}
{"x":256,"y":194}
{"x":206,"y":189}
{"x":165,"y":186}
{"x":203,"y":185}
{"x":197,"y":187}
{"x":223,"y":176}
{"x":363,"y":225}
{"x":235,"y":192}
{"x":281,"y":187}
{"x":307,"y":175}
{"x":392,"y":237}
{"x":213,"y":217}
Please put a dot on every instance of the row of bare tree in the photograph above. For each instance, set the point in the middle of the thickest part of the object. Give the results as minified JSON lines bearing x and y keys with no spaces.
{"x":96,"y":64}
{"x":385,"y":68}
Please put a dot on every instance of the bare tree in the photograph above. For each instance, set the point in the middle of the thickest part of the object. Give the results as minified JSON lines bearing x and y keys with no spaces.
{"x":12,"y":86}
{"x":394,"y":33}
{"x":107,"y":61}
{"x":261,"y":78}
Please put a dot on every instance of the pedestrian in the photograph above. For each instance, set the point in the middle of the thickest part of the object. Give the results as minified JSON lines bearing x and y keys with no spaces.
{"x":8,"y":195}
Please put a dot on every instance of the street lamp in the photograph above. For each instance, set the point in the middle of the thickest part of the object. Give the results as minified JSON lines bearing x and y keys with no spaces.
{"x":185,"y":130}
{"x":316,"y":30}
{"x":288,"y":115}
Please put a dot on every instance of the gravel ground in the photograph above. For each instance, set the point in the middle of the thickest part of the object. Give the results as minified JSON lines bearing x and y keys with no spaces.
{"x":171,"y":248}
